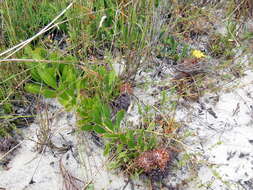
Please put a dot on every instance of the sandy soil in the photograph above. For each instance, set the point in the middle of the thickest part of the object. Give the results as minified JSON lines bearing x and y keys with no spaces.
{"x":220,"y":124}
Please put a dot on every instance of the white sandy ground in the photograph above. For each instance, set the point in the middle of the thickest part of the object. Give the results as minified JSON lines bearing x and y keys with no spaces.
{"x":225,"y":143}
{"x":85,"y":163}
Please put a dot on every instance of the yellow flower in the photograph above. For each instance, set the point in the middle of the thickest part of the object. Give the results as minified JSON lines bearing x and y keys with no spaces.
{"x":198,"y":54}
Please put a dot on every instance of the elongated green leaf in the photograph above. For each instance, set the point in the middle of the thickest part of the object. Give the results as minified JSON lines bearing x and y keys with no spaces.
{"x":67,"y":100}
{"x":108,"y":123}
{"x":106,"y":111}
{"x":111,"y":78}
{"x":130,"y":139}
{"x":87,"y":127}
{"x":49,"y":93}
{"x":140,"y":140}
{"x":107,"y":149}
{"x":35,"y":75}
{"x":47,"y":78}
{"x":111,"y":136}
{"x":123,"y":138}
{"x":69,"y":74}
{"x":119,"y":116}
{"x":119,"y":148}
{"x":99,"y":130}
{"x":38,"y":89}
{"x":38,"y":53}
{"x":33,"y":71}
{"x":28,"y":50}
{"x":33,"y":88}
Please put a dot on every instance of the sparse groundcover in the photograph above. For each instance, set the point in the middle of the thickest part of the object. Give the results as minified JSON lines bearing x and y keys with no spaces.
{"x":89,"y":89}
{"x":173,"y":56}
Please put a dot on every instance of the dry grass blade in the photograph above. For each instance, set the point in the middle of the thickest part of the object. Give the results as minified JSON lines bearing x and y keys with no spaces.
{"x":191,"y":65}
{"x":24,"y":43}
{"x":37,"y":61}
{"x":245,"y":8}
{"x":70,"y":182}
{"x":20,"y":84}
{"x":44,"y":134}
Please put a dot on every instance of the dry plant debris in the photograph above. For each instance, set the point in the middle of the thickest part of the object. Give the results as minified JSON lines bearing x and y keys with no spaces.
{"x":70,"y":182}
{"x":191,"y":65}
{"x":169,"y":124}
{"x":7,"y":143}
{"x":186,"y":87}
{"x":244,"y":8}
{"x":123,"y":101}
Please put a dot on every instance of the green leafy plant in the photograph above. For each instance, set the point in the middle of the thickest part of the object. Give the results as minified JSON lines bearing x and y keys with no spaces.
{"x":171,"y":48}
{"x":89,"y":92}
{"x":125,"y":144}
{"x":67,"y":82}
{"x":51,"y":79}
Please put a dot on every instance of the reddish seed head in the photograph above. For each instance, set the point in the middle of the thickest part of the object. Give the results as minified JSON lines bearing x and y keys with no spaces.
{"x":126,"y":88}
{"x":162,"y":157}
{"x":157,"y":158}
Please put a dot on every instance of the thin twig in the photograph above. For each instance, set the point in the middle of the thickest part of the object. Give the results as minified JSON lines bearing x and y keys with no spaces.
{"x":11,"y":150}
{"x":7,"y":97}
